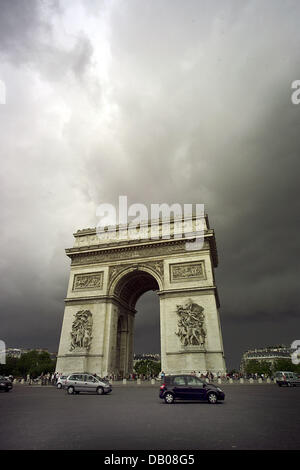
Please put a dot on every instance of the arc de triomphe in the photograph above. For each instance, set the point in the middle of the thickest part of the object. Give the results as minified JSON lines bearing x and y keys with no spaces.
{"x":107,"y":277}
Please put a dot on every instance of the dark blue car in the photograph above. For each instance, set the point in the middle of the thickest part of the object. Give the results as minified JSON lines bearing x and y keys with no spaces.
{"x":189,"y":387}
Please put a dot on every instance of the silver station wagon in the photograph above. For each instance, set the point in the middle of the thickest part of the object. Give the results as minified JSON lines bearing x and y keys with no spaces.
{"x":287,"y":378}
{"x":87,"y":383}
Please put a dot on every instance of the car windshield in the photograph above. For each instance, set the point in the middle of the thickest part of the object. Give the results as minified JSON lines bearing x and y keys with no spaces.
{"x":191,"y":380}
{"x":100,"y":378}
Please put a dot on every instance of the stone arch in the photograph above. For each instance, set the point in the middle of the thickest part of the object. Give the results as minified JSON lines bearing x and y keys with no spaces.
{"x":108,"y":276}
{"x":115,"y":280}
{"x":132,"y":282}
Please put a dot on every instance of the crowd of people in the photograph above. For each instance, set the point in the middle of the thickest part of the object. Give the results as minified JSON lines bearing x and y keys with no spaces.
{"x":52,"y":378}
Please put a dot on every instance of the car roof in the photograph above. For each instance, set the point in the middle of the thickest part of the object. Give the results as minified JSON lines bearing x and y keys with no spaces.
{"x":80,"y":373}
{"x":180,"y":375}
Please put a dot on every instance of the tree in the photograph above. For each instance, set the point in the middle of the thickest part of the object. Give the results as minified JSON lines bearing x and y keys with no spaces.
{"x":285,"y":364}
{"x":10,"y":368}
{"x":147,"y":367}
{"x":253,"y":366}
{"x":34,"y":363}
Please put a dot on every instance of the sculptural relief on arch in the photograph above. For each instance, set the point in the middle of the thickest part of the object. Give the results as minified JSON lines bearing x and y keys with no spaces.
{"x":107,"y":277}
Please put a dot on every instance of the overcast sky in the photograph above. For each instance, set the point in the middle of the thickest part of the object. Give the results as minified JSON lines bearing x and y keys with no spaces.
{"x":163,"y":101}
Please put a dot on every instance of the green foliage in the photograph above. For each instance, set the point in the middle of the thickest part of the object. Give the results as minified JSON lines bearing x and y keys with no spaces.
{"x":286,"y":365}
{"x":147,"y":367}
{"x":264,"y":367}
{"x":34,"y":363}
{"x":258,"y":367}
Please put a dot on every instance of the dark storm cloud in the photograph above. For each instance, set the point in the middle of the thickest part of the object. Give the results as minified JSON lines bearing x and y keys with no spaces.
{"x":164,"y":102}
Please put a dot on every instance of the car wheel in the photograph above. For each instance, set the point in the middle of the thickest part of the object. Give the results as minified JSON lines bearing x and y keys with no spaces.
{"x":212,"y":398}
{"x":7,"y":390}
{"x":59,"y":385}
{"x":100,"y":391}
{"x":70,"y":390}
{"x":169,"y":398}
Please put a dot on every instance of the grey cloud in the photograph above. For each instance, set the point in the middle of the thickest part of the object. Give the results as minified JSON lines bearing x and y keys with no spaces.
{"x":194,"y":107}
{"x":19,"y":22}
{"x":27,"y":36}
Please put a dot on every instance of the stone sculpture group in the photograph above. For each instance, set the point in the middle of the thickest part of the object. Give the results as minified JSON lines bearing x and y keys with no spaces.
{"x":81,"y":334}
{"x":191,"y":329}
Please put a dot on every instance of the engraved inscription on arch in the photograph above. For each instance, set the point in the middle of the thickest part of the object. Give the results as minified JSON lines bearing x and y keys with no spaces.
{"x":88,"y":281}
{"x":187,"y":271}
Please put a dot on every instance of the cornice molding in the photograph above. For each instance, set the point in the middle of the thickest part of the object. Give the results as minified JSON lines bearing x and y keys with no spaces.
{"x":96,"y":253}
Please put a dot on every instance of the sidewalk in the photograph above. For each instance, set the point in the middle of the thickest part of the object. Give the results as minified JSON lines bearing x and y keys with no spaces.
{"x":147,"y":383}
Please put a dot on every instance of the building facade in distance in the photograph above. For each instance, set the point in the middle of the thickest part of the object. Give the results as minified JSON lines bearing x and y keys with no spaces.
{"x":269,"y":354}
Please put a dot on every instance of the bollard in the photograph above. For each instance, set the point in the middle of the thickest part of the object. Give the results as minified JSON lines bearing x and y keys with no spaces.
{"x":138,"y":381}
{"x":219,"y":381}
{"x":251,"y":381}
{"x":22,"y":381}
{"x":268,"y":381}
{"x":124,"y":381}
{"x":230,"y":381}
{"x":152,"y":381}
{"x":260,"y":381}
{"x":241,"y":380}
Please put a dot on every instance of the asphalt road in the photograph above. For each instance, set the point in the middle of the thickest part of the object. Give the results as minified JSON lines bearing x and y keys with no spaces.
{"x":133,"y":417}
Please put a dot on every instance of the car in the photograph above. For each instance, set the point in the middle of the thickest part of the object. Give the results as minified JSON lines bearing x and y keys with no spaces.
{"x":77,"y":383}
{"x":189,"y":387}
{"x":287,"y":378}
{"x":60,"y":381}
{"x":5,"y":384}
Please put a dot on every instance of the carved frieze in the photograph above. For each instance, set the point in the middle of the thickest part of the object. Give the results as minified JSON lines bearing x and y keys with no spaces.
{"x":187,"y":271}
{"x":81,"y":334}
{"x":191,"y":328}
{"x":127,"y":253}
{"x":88,"y":281}
{"x":157,"y":266}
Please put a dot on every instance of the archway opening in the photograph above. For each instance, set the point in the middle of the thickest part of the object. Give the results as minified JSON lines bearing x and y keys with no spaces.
{"x":133,"y":285}
{"x":147,"y":325}
{"x":138,"y":322}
